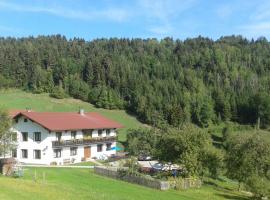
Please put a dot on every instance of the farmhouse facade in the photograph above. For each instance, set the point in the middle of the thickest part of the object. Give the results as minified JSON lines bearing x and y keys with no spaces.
{"x":63,"y":137}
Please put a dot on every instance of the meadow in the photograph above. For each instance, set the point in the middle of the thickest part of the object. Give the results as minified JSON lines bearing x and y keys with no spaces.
{"x":18,"y":99}
{"x":72,"y":184}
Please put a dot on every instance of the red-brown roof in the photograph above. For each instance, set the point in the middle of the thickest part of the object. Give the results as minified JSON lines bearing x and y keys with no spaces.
{"x":13,"y":113}
{"x":59,"y":121}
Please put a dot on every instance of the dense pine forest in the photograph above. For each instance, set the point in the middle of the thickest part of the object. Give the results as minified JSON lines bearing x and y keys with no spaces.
{"x":197,"y":80}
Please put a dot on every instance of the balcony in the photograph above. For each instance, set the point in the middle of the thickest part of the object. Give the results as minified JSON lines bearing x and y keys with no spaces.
{"x":85,"y":141}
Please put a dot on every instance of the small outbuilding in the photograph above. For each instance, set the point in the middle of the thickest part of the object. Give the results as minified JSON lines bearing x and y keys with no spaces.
{"x":7,"y":166}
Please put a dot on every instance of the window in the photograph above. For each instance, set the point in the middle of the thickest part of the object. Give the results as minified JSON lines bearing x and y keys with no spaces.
{"x":58,"y":136}
{"x":73,"y":135}
{"x":24,"y":153}
{"x":108,"y":146}
{"x":14,"y":153}
{"x":25,"y":120}
{"x":108,"y":131}
{"x":87,"y":134}
{"x":14,"y":137}
{"x":37,"y":136}
{"x":16,"y":120}
{"x":57,"y":153}
{"x":24,"y":136}
{"x":99,"y":148}
{"x":100,"y":133}
{"x":73,"y":151}
{"x":37,"y":154}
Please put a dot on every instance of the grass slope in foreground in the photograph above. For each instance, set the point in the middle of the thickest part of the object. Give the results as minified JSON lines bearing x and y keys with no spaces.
{"x":17,"y":99}
{"x":71,"y":184}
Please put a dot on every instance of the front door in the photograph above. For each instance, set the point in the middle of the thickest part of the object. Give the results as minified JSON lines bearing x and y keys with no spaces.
{"x":87,"y":152}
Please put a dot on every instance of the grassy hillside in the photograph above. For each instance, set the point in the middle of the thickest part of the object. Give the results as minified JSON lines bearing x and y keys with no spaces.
{"x":17,"y":99}
{"x":83,"y":184}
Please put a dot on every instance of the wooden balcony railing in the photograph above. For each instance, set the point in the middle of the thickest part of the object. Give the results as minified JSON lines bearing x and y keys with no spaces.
{"x":83,"y":141}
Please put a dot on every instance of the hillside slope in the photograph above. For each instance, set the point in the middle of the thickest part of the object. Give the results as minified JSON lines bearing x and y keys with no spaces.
{"x":17,"y":99}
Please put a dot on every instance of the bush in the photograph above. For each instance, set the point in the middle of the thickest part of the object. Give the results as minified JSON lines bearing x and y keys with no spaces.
{"x":259,"y":186}
{"x":58,"y":93}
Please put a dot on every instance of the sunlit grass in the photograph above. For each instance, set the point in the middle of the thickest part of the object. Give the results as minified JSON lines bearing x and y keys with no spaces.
{"x":69,"y":184}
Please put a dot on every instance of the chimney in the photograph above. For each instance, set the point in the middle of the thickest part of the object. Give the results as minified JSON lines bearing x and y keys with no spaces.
{"x":81,"y":111}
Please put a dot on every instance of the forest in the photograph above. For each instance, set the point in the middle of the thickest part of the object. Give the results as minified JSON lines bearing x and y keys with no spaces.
{"x":167,"y":81}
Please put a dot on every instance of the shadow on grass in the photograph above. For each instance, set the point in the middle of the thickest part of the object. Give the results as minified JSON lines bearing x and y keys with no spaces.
{"x":218,"y":187}
{"x":231,"y":196}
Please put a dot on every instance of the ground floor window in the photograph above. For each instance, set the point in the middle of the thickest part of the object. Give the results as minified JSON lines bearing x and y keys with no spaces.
{"x":14,"y":153}
{"x":73,"y":151}
{"x":24,"y":153}
{"x":37,"y":154}
{"x":99,"y":148}
{"x":108,"y":146}
{"x":57,"y":153}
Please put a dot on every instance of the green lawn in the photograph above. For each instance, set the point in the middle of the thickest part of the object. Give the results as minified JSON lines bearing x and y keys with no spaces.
{"x":86,"y":163}
{"x":69,"y":184}
{"x":17,"y":99}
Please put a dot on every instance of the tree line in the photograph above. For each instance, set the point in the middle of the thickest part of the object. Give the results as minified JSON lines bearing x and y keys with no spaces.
{"x":197,"y":80}
{"x":243,"y":156}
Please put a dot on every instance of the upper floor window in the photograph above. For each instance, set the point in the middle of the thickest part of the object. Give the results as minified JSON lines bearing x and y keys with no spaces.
{"x":37,"y":136}
{"x":57,"y":153}
{"x":73,"y":151}
{"x":24,"y":136}
{"x":25,"y":120}
{"x":73,"y":135}
{"x":100,"y":132}
{"x":58,"y":136}
{"x":37,"y":154}
{"x":14,"y":153}
{"x":108,"y":131}
{"x":87,"y":134}
{"x":99,"y":148}
{"x":24,"y":153}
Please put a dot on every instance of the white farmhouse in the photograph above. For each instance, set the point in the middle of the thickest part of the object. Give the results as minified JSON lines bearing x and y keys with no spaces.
{"x":63,"y":137}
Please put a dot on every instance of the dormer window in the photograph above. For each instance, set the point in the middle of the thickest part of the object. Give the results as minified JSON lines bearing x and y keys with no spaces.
{"x":25,"y":120}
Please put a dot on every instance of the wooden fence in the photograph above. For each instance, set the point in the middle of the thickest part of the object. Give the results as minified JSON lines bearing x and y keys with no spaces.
{"x":140,"y":180}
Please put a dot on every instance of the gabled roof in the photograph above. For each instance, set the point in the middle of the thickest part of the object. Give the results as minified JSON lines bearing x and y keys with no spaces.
{"x":60,"y":121}
{"x":13,"y":113}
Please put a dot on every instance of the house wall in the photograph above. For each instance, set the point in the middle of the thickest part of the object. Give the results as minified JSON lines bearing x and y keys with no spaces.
{"x":45,"y":145}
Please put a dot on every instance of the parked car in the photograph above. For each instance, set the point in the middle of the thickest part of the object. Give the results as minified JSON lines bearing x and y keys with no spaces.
{"x":144,"y":157}
{"x":166,"y":167}
{"x":158,"y":167}
{"x":102,"y":157}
